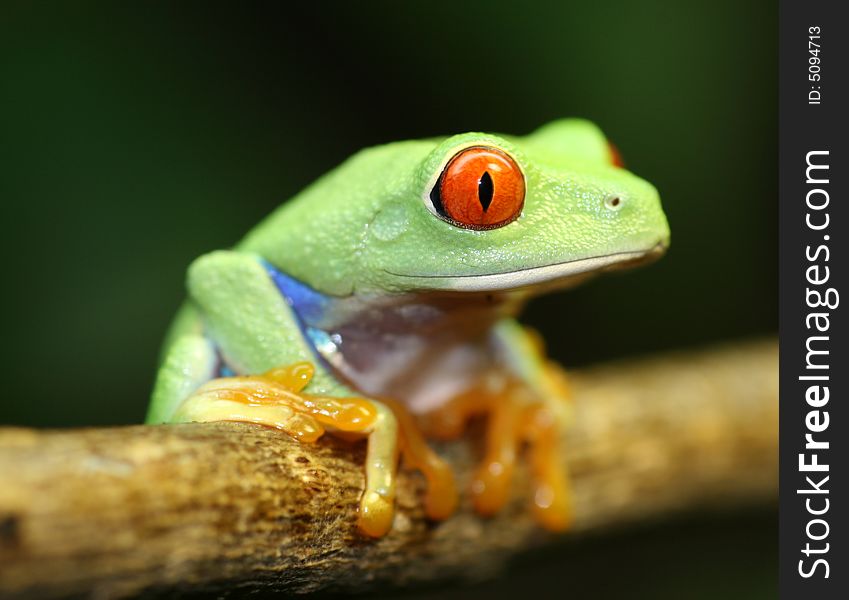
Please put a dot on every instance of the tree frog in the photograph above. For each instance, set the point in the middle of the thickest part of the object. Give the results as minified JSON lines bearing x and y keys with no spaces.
{"x":379,"y":303}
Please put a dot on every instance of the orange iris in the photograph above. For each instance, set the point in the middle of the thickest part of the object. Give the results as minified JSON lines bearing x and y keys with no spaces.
{"x":615,"y":156}
{"x":481,"y":188}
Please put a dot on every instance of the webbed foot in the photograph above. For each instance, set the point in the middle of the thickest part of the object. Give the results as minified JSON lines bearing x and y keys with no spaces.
{"x":441,"y":497}
{"x":276,"y":399}
{"x":515,"y":417}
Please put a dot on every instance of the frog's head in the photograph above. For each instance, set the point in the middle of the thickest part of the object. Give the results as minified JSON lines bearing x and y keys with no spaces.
{"x":487,"y":213}
{"x":470,"y":213}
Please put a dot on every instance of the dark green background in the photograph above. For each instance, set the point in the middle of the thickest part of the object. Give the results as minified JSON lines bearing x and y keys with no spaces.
{"x":134,"y":137}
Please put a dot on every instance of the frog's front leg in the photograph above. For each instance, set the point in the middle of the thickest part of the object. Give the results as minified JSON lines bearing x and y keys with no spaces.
{"x":526,"y":402}
{"x":276,"y":399}
{"x":255,"y":332}
{"x":546,"y":408}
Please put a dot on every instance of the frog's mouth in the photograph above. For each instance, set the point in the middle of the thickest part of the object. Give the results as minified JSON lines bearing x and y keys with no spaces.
{"x":558,"y":274}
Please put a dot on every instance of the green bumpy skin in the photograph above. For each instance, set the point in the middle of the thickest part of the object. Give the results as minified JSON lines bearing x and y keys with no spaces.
{"x":360,"y":225}
{"x":395,"y":290}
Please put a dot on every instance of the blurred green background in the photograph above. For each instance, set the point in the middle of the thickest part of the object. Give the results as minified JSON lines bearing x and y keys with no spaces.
{"x":136,"y":136}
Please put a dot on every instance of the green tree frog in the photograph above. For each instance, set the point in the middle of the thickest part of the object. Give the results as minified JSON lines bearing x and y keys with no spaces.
{"x":379,"y":303}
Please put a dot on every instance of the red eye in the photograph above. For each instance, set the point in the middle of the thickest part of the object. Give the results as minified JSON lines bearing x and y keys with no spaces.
{"x":480,"y":188}
{"x":615,"y":156}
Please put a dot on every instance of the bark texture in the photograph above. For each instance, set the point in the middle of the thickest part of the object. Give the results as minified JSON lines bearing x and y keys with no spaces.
{"x":229,"y":507}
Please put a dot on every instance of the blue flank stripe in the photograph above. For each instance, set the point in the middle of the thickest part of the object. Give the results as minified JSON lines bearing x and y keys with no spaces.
{"x":308,"y":304}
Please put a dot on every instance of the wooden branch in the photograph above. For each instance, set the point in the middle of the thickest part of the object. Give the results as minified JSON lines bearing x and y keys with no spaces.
{"x":223,"y":507}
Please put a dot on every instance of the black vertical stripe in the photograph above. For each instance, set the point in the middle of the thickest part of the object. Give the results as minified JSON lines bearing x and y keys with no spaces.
{"x":485,"y":190}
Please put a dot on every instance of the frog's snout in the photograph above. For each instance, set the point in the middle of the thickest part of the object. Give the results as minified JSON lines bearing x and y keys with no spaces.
{"x":653,"y":220}
{"x":658,"y":250}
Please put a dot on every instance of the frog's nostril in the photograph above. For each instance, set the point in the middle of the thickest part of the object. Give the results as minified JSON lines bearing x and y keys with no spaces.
{"x":613,"y":202}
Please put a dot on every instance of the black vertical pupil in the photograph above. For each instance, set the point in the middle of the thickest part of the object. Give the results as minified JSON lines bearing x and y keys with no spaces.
{"x":485,"y":190}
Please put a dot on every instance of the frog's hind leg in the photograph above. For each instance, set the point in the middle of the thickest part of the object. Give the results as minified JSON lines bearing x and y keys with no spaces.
{"x":256,"y":331}
{"x":190,"y":360}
